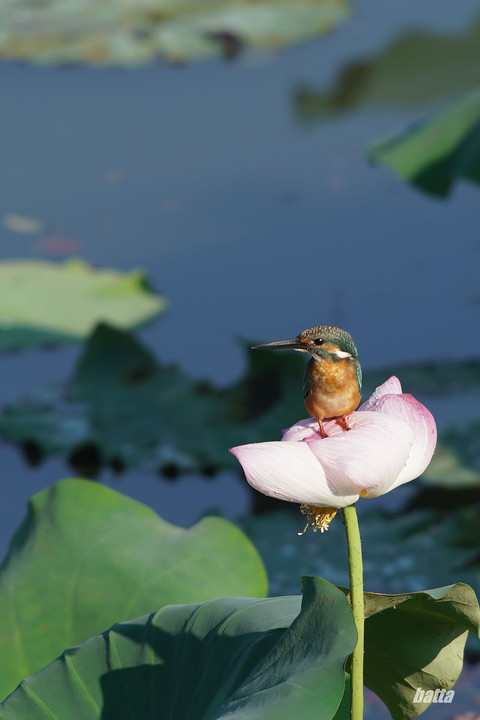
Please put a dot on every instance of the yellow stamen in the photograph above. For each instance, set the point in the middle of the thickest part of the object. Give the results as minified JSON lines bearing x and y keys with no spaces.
{"x":318,"y":517}
{"x":363,"y":493}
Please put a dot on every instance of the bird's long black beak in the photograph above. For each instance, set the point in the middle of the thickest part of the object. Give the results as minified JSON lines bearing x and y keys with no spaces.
{"x":290,"y":344}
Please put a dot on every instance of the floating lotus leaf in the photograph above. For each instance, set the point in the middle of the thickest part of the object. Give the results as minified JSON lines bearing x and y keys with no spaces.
{"x":457,"y":465}
{"x":43,"y":302}
{"x":415,"y":69}
{"x":136,"y":31}
{"x":434,"y":154}
{"x":405,"y":551}
{"x":431,"y":378}
{"x":125,"y":409}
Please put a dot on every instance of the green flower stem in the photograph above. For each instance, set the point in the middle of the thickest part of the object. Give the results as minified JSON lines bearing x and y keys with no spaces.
{"x":356,"y":600}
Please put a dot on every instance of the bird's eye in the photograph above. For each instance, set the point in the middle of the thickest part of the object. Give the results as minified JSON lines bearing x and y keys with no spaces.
{"x":318,"y":341}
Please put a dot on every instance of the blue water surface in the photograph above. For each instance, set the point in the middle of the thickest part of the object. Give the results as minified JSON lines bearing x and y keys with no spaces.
{"x":253,"y":225}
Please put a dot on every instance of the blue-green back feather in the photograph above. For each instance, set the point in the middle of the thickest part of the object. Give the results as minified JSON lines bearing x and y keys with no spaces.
{"x":359,"y":376}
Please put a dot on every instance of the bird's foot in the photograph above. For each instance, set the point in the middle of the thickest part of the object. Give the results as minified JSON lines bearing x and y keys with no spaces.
{"x":321,"y":430}
{"x":343,"y":423}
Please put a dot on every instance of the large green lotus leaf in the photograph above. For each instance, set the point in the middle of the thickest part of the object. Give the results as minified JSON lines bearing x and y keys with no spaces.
{"x":235,"y":658}
{"x":136,"y":31}
{"x":123,"y":408}
{"x":86,"y":556}
{"x":434,"y":154}
{"x":43,"y":302}
{"x":416,"y":69}
{"x":416,"y":640}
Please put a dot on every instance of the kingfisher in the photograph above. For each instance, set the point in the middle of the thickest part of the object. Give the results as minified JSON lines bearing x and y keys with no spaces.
{"x":333,"y":377}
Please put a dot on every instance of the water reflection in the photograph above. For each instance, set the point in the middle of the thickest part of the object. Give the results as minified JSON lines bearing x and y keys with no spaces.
{"x":417,"y":68}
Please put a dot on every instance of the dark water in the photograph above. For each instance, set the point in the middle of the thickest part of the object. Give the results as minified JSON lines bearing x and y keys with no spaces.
{"x":252,"y":225}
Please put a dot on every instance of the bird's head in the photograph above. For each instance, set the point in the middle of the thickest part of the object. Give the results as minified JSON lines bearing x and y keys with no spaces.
{"x":321,"y":341}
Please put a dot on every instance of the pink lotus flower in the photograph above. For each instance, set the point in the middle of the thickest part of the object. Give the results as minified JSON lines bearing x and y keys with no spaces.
{"x":391,"y":441}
